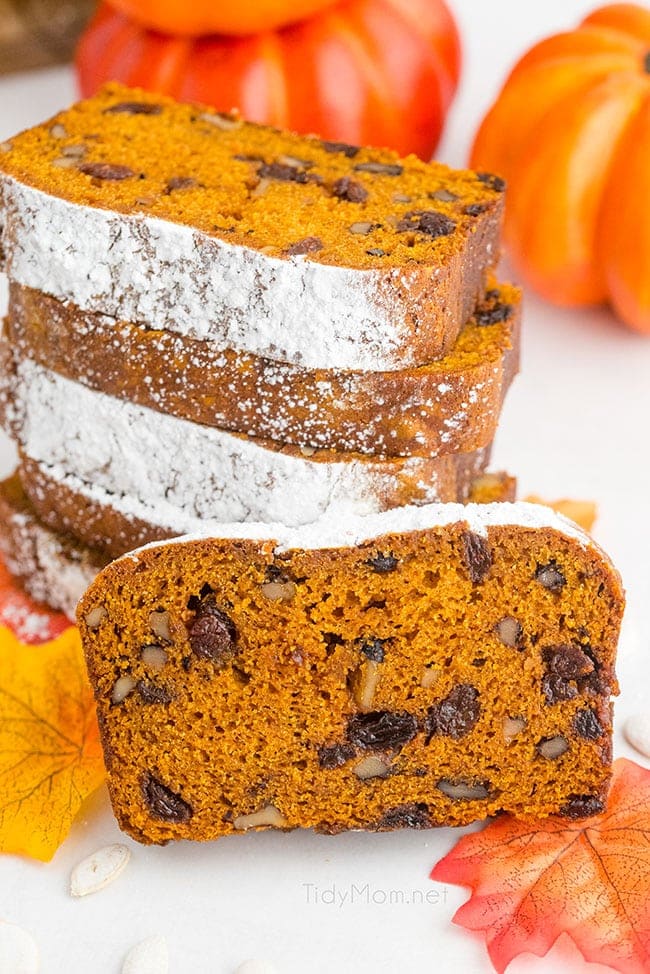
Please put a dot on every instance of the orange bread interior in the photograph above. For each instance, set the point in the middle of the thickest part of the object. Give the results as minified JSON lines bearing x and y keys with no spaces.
{"x":423,"y":678}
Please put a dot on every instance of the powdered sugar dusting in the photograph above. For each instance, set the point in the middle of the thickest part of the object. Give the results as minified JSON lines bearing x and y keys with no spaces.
{"x":343,"y":532}
{"x":147,"y":460}
{"x":394,"y":413}
{"x":54,"y":574}
{"x":29,"y":625}
{"x":173,"y":277}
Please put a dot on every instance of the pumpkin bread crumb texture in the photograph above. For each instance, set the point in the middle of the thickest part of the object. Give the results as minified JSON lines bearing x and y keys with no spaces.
{"x":417,"y":678}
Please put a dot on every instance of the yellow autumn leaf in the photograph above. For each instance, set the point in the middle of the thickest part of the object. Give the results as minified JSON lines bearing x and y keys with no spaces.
{"x":50,"y":756}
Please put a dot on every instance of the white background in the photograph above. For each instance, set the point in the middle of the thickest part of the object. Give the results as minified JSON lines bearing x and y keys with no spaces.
{"x":576,"y":425}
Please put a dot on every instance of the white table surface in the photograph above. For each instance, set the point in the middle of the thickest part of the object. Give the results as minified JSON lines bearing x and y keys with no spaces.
{"x":575,"y":425}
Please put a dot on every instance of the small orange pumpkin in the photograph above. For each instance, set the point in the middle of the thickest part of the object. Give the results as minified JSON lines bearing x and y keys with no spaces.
{"x":377,"y":72}
{"x":225,"y":17}
{"x":570,"y":132}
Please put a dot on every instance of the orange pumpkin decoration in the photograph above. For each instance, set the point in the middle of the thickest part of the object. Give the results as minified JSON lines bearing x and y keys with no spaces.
{"x":570,"y":132}
{"x":379,"y":72}
{"x":227,"y":17}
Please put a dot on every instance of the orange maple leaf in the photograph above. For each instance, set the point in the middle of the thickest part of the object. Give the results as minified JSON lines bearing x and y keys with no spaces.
{"x":50,"y":756}
{"x":589,"y":879}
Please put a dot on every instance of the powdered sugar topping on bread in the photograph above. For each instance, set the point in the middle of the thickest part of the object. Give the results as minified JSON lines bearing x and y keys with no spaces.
{"x":170,"y":276}
{"x":134,"y":454}
{"x":336,"y":531}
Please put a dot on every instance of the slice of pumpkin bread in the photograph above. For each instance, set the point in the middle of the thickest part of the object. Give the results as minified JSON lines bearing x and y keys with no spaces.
{"x":53,"y":567}
{"x":317,"y":253}
{"x":448,"y":406}
{"x":51,"y":560}
{"x":115,"y":522}
{"x":425,"y":666}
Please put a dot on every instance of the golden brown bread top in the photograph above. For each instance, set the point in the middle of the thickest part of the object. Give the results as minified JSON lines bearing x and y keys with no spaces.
{"x":133,"y":151}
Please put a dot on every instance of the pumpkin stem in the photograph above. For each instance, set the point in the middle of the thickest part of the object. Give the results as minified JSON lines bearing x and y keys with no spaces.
{"x":646,"y":63}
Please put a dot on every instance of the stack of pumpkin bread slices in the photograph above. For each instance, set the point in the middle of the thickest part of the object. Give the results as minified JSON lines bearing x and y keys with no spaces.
{"x":211,"y":321}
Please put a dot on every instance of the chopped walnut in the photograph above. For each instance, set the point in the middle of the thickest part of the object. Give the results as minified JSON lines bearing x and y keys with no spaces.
{"x":513,"y":726}
{"x":510,"y":632}
{"x":95,"y":617}
{"x":553,"y":747}
{"x":366,"y":680}
{"x":75,"y":151}
{"x":153,"y":657}
{"x":443,"y":195}
{"x":460,"y":790}
{"x":430,"y":676}
{"x":380,"y":168}
{"x":371,"y":767}
{"x":268,"y":816}
{"x":295,"y":162}
{"x":361,"y":227}
{"x":123,"y":686}
{"x":134,"y":108}
{"x":159,"y":622}
{"x":279,"y":590}
{"x":261,"y":187}
{"x":221,"y":121}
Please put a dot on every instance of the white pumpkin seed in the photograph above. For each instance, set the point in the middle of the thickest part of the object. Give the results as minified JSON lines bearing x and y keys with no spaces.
{"x":256,"y":967}
{"x":18,"y":950}
{"x":99,"y":870}
{"x":637,"y":733}
{"x":150,"y":956}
